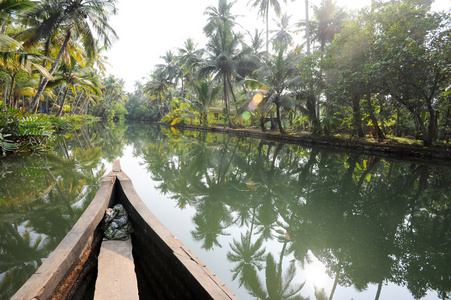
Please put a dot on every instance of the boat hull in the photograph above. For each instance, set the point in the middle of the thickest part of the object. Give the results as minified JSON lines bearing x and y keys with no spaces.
{"x":165,"y":267}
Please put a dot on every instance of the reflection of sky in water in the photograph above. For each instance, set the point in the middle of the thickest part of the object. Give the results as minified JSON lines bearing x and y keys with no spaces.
{"x":180,"y":223}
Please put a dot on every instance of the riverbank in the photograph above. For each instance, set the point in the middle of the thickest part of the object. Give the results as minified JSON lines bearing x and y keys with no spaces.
{"x":386,"y":148}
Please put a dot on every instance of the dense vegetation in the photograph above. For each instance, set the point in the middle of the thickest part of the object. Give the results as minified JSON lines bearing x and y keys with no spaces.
{"x":382,"y":71}
{"x":52,"y":63}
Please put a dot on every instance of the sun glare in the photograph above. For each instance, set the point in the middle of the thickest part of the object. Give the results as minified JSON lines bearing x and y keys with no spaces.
{"x":315,"y":273}
{"x":255,"y":101}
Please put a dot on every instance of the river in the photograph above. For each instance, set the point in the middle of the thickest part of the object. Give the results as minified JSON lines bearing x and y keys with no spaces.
{"x":272,"y":220}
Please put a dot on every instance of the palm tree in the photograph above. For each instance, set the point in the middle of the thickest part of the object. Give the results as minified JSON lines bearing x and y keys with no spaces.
{"x":307,"y":26}
{"x":284,"y":33}
{"x":257,"y":42}
{"x":205,"y":95}
{"x":8,"y":7}
{"x":189,"y":57}
{"x":278,"y":285}
{"x":156,"y":88}
{"x":16,"y":62}
{"x":170,"y":67}
{"x":263,"y":9}
{"x":219,"y":18}
{"x":327,"y":21}
{"x":112,"y":91}
{"x":223,"y":57}
{"x":277,"y":73}
{"x":74,"y":76}
{"x":75,"y":19}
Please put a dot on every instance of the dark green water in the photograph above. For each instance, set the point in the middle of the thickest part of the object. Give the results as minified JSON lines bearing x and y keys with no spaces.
{"x":273,"y":221}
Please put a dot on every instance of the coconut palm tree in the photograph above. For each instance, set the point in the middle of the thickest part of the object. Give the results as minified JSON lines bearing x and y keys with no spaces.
{"x":284,"y":31}
{"x":307,"y":26}
{"x":276,"y":74}
{"x":223,"y":56}
{"x":263,"y":9}
{"x":219,"y":18}
{"x":75,"y":77}
{"x":112,"y":91}
{"x":86,"y":21}
{"x":327,"y":21}
{"x":205,"y":95}
{"x":170,"y":67}
{"x":8,"y":7}
{"x":189,"y":57}
{"x":156,"y":88}
{"x":15,"y":62}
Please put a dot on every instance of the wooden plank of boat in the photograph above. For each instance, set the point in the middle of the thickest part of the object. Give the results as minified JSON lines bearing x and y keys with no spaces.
{"x":166,"y":268}
{"x":116,"y":278}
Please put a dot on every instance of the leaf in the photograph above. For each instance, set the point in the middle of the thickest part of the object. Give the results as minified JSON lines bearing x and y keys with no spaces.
{"x":176,"y":121}
{"x":7,"y":42}
{"x":44,"y":72}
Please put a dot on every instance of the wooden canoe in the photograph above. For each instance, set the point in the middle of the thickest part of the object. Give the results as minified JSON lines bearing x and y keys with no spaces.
{"x":165,"y":267}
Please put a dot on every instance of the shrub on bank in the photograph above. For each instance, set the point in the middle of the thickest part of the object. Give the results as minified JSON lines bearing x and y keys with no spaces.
{"x":22,"y":132}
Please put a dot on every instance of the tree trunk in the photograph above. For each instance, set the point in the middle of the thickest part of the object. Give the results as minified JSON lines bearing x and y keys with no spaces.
{"x":43,"y":85}
{"x":357,"y":116}
{"x":77,"y":102}
{"x":432,"y":128}
{"x":307,"y":26}
{"x":226,"y":101}
{"x":337,"y":277}
{"x":11,"y":92}
{"x":279,"y":122}
{"x":379,"y":133}
{"x":262,"y":122}
{"x":379,"y":289}
{"x":83,"y":104}
{"x":267,"y":28}
{"x":4,"y":95}
{"x":60,"y":111}
{"x":311,"y":107}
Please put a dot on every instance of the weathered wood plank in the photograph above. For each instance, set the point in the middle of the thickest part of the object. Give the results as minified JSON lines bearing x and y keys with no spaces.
{"x":116,"y":277}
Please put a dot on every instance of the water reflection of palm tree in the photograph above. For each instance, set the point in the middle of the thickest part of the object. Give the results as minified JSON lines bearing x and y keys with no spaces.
{"x":266,"y":220}
{"x":211,"y":220}
{"x":278,"y":285}
{"x":248,"y":255}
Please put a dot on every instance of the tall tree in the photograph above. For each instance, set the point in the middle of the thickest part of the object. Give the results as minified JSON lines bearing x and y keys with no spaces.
{"x":219,"y":18}
{"x":82,"y":20}
{"x":277,"y":73}
{"x":205,"y":95}
{"x":189,"y":57}
{"x":327,"y":21}
{"x":223,"y":51}
{"x":263,"y":9}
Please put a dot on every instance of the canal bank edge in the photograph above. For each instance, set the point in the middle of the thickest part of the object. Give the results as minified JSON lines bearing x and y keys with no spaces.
{"x":416,"y":153}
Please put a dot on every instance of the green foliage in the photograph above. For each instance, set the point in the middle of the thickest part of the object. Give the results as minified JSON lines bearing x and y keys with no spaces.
{"x":180,"y":113}
{"x":116,"y":112}
{"x":23,"y":132}
{"x":6,"y":145}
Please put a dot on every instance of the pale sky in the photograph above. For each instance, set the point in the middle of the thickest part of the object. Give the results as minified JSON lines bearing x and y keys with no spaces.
{"x":147,"y":29}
